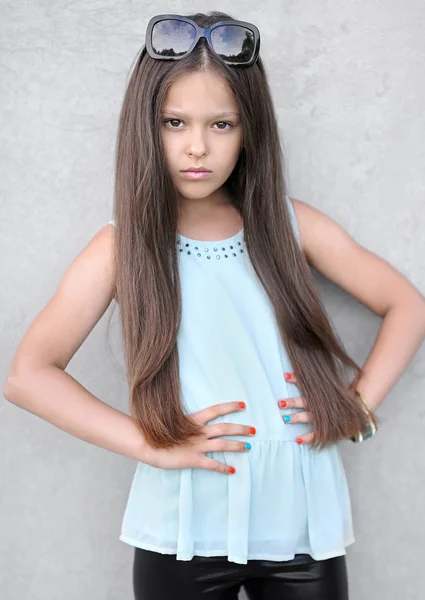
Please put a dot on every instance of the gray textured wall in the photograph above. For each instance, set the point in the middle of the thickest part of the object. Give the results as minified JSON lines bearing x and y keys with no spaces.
{"x":349,"y":86}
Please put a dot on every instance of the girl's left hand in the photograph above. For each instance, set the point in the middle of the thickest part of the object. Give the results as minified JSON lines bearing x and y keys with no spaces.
{"x":300,"y":417}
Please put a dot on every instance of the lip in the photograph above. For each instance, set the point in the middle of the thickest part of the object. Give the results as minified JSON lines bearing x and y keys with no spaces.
{"x":196,"y":174}
{"x":197,"y":170}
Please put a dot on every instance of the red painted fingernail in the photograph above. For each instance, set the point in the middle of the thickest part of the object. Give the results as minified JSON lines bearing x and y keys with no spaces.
{"x":252,"y":430}
{"x":299,"y":440}
{"x":242,"y":404}
{"x":232,"y":470}
{"x":282,"y":403}
{"x":288,"y":376}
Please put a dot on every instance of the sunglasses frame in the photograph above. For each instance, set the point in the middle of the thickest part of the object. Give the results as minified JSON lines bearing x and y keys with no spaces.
{"x":202,"y":32}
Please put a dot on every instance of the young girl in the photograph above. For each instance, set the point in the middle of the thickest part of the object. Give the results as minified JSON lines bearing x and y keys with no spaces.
{"x":239,"y":387}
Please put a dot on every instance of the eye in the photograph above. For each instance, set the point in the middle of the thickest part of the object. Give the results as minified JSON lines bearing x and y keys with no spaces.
{"x":224,"y":123}
{"x":166,"y":121}
{"x":169,"y":121}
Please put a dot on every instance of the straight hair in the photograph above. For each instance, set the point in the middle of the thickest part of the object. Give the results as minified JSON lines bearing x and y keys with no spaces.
{"x":148,"y":288}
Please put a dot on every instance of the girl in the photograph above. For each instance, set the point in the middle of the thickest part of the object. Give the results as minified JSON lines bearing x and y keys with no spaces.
{"x":239,"y":387}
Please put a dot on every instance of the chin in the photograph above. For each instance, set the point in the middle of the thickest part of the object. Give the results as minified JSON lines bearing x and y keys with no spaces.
{"x":198,"y":190}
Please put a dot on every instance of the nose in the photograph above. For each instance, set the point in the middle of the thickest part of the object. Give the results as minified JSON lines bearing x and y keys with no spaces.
{"x":197,"y":145}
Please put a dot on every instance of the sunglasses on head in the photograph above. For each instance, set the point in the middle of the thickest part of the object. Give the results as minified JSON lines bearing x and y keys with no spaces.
{"x":171,"y":37}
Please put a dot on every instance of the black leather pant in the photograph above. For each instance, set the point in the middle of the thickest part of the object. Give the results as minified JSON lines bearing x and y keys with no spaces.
{"x":159,"y":576}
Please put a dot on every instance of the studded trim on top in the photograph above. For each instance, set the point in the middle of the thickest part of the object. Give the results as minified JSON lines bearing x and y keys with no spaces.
{"x":212,"y":249}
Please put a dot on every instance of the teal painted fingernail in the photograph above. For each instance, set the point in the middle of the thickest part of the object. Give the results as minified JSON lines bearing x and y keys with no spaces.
{"x":248,"y":446}
{"x":286,"y":418}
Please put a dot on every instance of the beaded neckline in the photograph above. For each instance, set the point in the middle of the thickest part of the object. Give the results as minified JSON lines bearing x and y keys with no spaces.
{"x":226,"y":248}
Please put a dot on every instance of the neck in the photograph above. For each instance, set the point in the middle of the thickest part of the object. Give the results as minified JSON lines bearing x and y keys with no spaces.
{"x":204,"y":207}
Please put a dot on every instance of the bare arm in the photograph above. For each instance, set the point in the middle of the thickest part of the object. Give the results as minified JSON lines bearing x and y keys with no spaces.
{"x":37,"y":381}
{"x":376,"y":284}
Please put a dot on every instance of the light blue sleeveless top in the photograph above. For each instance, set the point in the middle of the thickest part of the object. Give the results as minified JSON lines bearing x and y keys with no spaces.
{"x":284,"y":498}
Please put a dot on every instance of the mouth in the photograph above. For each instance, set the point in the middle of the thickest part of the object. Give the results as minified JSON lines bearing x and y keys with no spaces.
{"x":196,"y":170}
{"x":196,"y":173}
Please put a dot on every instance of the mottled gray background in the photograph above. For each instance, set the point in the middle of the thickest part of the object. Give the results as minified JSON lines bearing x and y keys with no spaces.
{"x":349,"y":87}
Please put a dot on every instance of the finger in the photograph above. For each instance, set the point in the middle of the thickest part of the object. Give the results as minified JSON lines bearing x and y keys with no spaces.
{"x":222,"y":429}
{"x":296,"y":402}
{"x":221,"y":445}
{"x":210,"y":413}
{"x":305,"y":439}
{"x":301,"y":417}
{"x":290,"y":377}
{"x":215,"y":465}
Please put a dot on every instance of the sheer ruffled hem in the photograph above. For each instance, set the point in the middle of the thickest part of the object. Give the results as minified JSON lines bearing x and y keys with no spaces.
{"x":284,"y":499}
{"x":219,"y":551}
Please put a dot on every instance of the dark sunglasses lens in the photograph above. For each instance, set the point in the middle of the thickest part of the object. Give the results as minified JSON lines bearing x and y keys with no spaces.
{"x":233,"y":42}
{"x":172,"y":37}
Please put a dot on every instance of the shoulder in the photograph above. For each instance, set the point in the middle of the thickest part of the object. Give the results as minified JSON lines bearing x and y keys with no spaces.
{"x":90,"y":277}
{"x":84,"y":293}
{"x":102,"y":244}
{"x":333,"y":252}
{"x":106,"y":237}
{"x":324,"y":241}
{"x":317,"y":230}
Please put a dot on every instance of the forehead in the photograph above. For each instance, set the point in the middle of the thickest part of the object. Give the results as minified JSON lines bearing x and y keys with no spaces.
{"x":199,"y":93}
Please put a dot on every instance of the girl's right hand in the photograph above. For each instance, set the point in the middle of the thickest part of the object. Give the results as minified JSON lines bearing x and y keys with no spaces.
{"x":191,"y":454}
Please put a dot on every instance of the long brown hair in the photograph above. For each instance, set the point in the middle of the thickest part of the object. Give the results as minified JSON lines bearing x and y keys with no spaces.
{"x":147,"y":273}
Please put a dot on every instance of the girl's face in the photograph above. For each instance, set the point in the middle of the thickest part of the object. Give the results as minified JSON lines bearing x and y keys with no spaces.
{"x":201,"y":128}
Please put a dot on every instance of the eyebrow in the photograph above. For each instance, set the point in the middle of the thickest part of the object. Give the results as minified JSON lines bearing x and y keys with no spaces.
{"x":182,"y":114}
